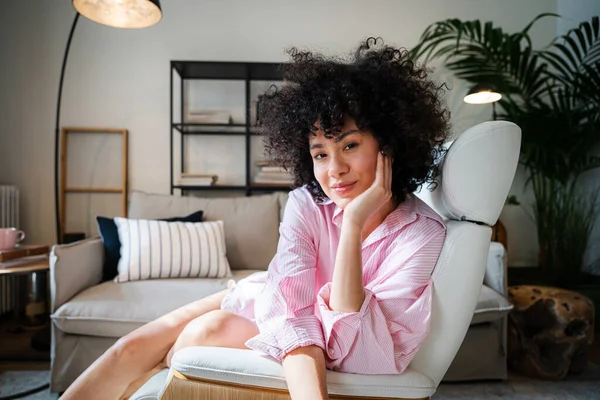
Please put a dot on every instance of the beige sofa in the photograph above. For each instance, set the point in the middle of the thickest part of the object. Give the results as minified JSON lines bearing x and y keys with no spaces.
{"x":88,"y":315}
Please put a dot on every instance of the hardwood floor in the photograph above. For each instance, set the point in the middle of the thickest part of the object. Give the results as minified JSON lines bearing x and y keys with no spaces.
{"x":24,"y":347}
{"x":24,"y":366}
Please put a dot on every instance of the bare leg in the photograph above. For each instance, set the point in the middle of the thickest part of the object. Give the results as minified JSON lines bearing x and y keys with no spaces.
{"x":137,"y":353}
{"x":216,"y":328}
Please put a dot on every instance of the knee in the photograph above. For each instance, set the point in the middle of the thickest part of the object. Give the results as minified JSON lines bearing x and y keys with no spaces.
{"x":206,"y":329}
{"x":126,"y":347}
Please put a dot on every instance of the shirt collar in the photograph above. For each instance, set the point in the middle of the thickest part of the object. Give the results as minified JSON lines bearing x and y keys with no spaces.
{"x":403,"y":214}
{"x":337,"y":212}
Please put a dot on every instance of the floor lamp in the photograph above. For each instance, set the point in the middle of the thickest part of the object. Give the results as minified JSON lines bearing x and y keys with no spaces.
{"x":115,"y":13}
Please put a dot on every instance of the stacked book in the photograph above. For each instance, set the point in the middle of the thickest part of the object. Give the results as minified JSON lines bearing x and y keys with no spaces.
{"x":193,"y":179}
{"x":269,"y":174}
{"x":23,"y":255}
{"x":209,"y":117}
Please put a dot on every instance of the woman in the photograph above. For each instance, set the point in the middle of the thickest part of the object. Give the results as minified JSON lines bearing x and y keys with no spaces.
{"x":349,"y":288}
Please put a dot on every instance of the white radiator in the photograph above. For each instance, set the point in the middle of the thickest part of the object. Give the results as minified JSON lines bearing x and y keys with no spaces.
{"x":9,"y":217}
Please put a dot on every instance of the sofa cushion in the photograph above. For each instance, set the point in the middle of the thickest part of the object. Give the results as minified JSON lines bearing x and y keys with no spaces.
{"x":490,"y":306}
{"x":112,"y":245}
{"x":158,"y":249}
{"x":113,"y":309}
{"x":251,"y":223}
{"x":282,"y":198}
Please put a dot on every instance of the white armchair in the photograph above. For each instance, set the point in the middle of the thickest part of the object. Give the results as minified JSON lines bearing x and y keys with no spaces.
{"x":475,"y":180}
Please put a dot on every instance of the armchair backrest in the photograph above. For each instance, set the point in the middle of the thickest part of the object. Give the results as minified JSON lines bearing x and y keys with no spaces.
{"x":476,"y":176}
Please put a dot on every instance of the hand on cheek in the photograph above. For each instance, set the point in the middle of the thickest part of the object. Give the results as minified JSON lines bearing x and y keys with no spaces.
{"x":364,"y":205}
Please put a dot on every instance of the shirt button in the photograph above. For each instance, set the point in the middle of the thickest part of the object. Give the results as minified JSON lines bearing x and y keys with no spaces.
{"x":331,"y":352}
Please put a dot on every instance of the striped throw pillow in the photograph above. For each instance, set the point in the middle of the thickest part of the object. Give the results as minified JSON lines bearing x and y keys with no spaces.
{"x":152,"y":249}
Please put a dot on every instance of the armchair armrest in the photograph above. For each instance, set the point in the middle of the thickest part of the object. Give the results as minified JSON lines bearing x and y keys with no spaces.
{"x":73,"y":268}
{"x":496,"y":269}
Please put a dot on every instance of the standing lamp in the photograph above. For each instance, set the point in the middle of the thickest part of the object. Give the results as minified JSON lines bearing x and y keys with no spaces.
{"x":483,"y":93}
{"x":115,"y":13}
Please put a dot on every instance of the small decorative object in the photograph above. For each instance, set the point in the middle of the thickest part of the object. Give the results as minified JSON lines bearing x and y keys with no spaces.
{"x":10,"y":237}
{"x":549,"y":331}
{"x":255,"y":110}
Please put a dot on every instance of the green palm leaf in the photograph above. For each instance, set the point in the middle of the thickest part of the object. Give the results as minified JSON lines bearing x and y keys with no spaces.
{"x":571,"y":52}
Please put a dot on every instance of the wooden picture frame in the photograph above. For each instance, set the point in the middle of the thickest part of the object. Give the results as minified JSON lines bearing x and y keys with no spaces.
{"x":66,"y":188}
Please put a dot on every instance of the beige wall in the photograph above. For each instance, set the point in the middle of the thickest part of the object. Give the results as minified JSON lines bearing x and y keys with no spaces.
{"x":119,"y":78}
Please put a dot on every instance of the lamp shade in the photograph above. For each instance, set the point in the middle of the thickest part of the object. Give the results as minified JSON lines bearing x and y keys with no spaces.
{"x":120,"y":13}
{"x":482,"y":94}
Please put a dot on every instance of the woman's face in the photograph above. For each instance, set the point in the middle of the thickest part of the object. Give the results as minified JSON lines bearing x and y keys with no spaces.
{"x":344,"y":166}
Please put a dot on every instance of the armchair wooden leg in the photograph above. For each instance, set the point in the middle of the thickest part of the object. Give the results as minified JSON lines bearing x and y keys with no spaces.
{"x":183,"y":388}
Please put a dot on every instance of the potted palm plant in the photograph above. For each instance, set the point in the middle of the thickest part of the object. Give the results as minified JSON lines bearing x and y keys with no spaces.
{"x":553,"y":94}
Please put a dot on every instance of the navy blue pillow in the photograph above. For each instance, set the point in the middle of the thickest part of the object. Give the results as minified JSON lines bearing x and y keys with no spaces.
{"x":112,"y":244}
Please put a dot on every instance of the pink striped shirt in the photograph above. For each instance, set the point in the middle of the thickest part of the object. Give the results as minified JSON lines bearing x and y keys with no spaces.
{"x":289,"y":302}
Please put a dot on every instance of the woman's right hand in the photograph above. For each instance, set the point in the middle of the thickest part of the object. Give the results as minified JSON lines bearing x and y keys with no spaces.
{"x":368,"y":202}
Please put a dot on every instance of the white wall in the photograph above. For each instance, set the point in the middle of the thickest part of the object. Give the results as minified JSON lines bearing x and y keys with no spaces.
{"x":119,"y":78}
{"x":575,"y":12}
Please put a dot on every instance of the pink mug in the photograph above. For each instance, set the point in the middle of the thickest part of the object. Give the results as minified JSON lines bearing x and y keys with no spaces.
{"x":9,"y":237}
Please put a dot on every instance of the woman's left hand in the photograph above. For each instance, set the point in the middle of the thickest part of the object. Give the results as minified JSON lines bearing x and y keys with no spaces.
{"x":380,"y":193}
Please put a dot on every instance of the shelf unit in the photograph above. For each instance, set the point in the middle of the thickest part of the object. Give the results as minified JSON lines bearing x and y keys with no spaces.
{"x":216,"y":70}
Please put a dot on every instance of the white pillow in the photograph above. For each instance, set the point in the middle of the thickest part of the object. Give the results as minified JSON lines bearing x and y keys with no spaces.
{"x":153,"y":249}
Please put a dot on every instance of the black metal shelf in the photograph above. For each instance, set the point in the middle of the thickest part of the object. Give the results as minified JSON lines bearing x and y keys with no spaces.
{"x":217,"y":70}
{"x":222,"y":70}
{"x":256,"y":187}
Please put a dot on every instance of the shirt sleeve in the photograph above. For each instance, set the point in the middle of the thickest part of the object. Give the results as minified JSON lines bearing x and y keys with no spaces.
{"x":393,"y":321}
{"x":285,"y":310}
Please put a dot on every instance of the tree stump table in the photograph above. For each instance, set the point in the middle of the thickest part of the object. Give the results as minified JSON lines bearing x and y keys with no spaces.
{"x":549,"y":331}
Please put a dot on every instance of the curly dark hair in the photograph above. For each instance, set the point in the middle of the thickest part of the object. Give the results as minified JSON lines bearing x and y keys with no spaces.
{"x":384,"y":91}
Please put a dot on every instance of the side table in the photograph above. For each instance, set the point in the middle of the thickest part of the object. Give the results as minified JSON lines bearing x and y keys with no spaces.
{"x":549,"y":331}
{"x":32,"y":300}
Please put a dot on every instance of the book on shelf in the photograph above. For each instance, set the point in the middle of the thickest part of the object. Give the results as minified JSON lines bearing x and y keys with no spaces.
{"x":273,"y":177}
{"x":268,"y":173}
{"x":209,"y":117}
{"x":273,"y":169}
{"x":195,"y":179}
{"x":274,"y":182}
{"x":23,"y":250}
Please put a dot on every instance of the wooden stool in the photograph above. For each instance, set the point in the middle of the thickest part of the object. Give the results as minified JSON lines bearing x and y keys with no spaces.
{"x":549,"y":331}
